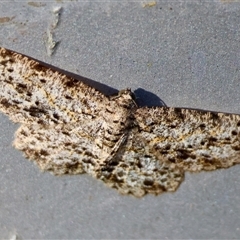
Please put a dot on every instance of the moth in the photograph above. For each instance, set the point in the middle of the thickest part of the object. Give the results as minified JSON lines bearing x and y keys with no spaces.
{"x":68,"y":127}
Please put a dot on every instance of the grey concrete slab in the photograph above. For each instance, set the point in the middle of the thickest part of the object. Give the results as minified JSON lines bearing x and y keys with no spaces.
{"x":184,"y":53}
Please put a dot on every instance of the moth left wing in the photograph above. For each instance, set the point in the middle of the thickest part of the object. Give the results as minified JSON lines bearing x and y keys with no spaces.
{"x":31,"y":92}
{"x":63,"y":148}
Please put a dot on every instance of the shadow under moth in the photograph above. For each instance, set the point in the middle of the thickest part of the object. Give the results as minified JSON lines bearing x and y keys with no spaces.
{"x":68,"y":127}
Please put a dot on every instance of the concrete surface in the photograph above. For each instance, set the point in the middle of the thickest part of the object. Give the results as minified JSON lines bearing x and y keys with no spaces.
{"x":184,"y":53}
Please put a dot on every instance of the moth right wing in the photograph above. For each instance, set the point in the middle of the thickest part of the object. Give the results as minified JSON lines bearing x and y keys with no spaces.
{"x":193,"y":140}
{"x":133,"y":170}
{"x":165,"y":143}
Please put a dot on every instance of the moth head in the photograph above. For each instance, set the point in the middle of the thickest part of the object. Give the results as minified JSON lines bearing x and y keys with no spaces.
{"x":125,"y":98}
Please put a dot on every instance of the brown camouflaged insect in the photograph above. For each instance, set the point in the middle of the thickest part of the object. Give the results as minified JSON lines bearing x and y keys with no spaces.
{"x":68,"y":127}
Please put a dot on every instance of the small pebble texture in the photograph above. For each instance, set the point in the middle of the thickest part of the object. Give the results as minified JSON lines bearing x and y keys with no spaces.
{"x":182,"y":54}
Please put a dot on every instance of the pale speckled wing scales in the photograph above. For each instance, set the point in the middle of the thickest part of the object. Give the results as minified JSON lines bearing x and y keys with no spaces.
{"x":61,"y":149}
{"x":166,"y":142}
{"x":62,"y":118}
{"x":193,"y":140}
{"x":133,"y":171}
{"x":68,"y":127}
{"x":31,"y":92}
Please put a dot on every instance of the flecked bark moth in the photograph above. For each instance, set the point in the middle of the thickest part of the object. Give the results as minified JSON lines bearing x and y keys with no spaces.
{"x":68,"y":127}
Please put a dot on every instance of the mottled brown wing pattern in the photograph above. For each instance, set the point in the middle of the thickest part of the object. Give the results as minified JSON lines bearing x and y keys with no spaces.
{"x":193,"y":140}
{"x":31,"y":92}
{"x":61,"y":149}
{"x":68,"y":127}
{"x":134,"y":171}
{"x":62,"y":119}
{"x":165,"y":142}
